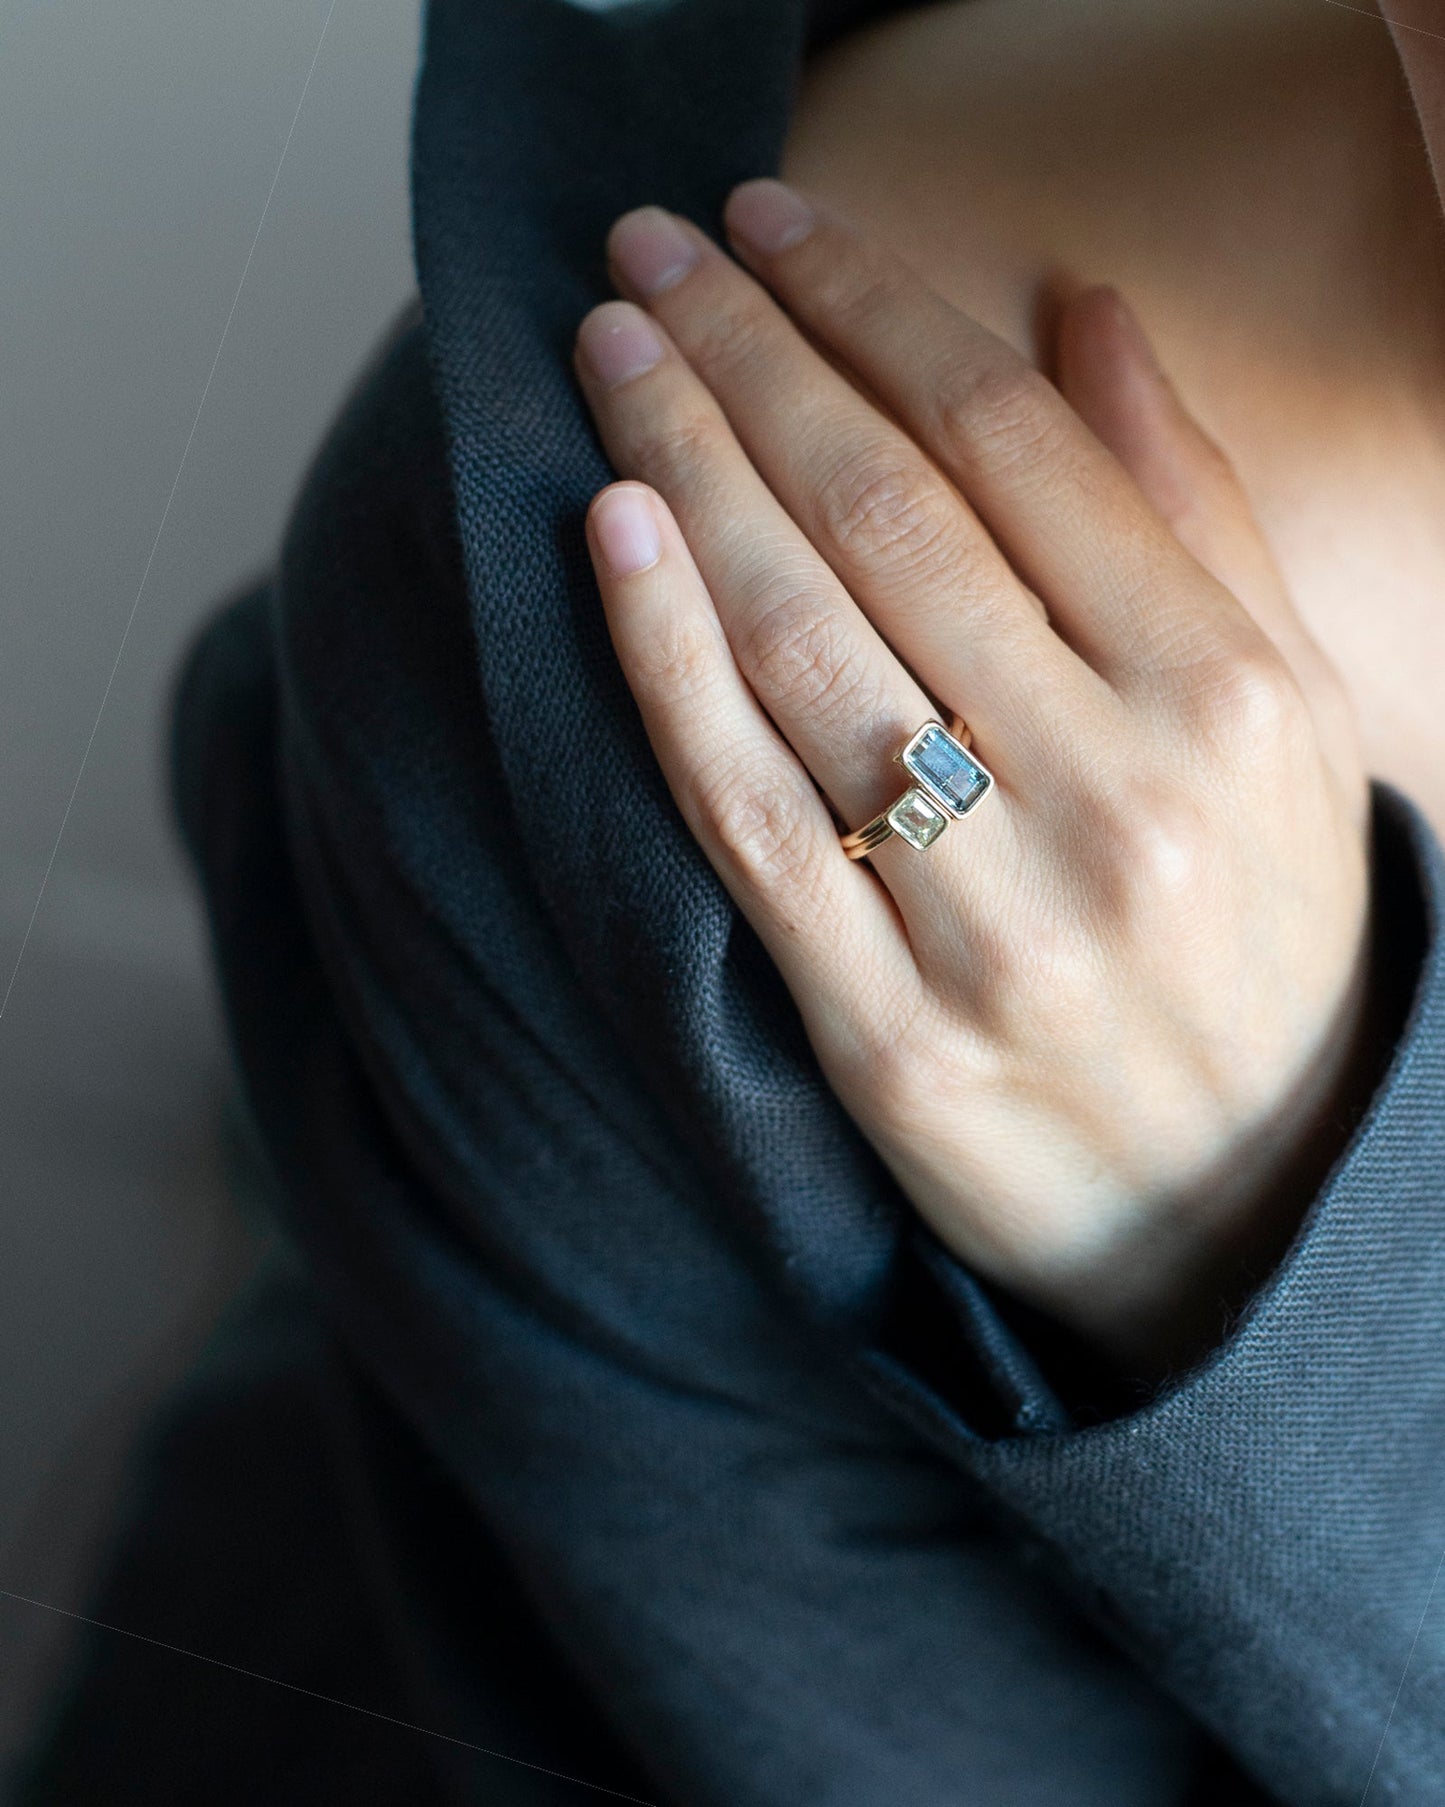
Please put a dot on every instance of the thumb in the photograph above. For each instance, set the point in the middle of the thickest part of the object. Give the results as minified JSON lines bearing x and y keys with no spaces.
{"x":1109,"y":374}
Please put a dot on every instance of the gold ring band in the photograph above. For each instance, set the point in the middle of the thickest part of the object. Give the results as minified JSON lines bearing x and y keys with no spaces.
{"x":948,"y":782}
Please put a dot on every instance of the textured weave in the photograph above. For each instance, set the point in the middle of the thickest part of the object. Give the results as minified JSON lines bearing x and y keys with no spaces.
{"x":579,"y":1203}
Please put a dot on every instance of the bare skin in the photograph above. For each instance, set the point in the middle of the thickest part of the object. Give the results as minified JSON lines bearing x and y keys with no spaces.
{"x":1250,"y":173}
{"x":1106,"y":1037}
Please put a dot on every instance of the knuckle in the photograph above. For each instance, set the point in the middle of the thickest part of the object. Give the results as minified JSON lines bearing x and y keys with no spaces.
{"x":1202,"y":501}
{"x":674,"y":444}
{"x":800,"y":656}
{"x":676,"y":665}
{"x":997,"y":412}
{"x":763,"y":822}
{"x":1158,"y":850}
{"x":724,"y":339}
{"x":1247,"y":702}
{"x":855,"y":294}
{"x":874,"y":508}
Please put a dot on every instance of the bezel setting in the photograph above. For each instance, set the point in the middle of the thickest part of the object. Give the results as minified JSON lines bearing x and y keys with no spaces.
{"x":945,"y":771}
{"x":916,"y":818}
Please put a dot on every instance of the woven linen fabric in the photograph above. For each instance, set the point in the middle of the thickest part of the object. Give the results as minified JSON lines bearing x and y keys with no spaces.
{"x":782,"y":1490}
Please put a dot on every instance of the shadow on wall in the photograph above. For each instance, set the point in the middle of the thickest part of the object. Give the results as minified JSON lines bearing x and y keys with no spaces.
{"x":143,"y":148}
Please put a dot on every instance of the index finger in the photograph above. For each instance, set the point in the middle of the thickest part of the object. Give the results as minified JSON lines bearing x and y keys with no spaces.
{"x":829,"y":925}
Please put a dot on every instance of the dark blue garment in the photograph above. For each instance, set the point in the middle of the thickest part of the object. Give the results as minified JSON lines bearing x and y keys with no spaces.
{"x":637,"y":1320}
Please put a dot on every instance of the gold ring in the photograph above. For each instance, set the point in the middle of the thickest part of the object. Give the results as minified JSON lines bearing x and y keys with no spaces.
{"x":948,"y":782}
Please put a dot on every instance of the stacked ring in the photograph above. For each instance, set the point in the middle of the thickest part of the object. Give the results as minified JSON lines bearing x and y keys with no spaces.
{"x":948,"y":782}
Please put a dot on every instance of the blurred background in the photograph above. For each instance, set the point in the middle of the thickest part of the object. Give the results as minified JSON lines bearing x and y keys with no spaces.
{"x":139,"y":144}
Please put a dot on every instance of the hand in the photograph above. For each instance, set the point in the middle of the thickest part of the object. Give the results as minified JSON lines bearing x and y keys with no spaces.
{"x":1094,"y":1028}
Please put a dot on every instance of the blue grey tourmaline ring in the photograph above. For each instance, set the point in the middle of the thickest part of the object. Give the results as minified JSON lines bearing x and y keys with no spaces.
{"x":948,"y":782}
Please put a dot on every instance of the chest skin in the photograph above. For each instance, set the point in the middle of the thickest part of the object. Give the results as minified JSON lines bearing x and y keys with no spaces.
{"x":1251,"y":174}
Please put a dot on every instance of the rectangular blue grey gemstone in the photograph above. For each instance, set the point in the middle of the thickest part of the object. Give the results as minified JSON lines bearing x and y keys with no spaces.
{"x":943,"y":768}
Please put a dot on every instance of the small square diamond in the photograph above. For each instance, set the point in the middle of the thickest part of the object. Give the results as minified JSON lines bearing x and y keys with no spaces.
{"x":919,"y":821}
{"x":945,"y":769}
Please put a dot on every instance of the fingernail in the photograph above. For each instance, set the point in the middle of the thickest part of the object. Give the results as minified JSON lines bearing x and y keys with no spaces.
{"x":619,"y":342}
{"x":626,"y":531}
{"x":768,"y":216}
{"x":651,"y":250}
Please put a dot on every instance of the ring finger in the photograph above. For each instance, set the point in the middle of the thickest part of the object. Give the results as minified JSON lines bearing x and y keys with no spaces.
{"x":901,"y":538}
{"x":822,"y":671}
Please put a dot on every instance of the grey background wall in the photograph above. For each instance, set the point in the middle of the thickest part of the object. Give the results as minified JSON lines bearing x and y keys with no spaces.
{"x":139,"y":142}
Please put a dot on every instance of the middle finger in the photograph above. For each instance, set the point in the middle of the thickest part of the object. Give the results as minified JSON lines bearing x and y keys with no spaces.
{"x":899,"y":535}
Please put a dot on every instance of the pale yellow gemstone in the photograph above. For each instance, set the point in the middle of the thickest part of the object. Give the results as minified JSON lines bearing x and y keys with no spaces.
{"x":919,"y":821}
